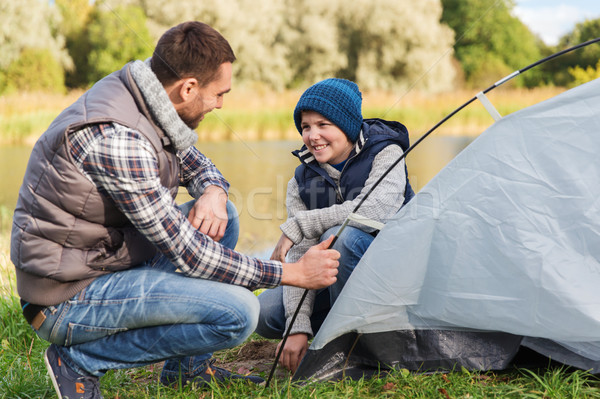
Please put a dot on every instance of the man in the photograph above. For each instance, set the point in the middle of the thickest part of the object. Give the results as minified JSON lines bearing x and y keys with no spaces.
{"x":109,"y":269}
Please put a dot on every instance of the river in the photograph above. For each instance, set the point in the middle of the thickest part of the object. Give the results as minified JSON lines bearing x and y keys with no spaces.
{"x":258,"y":173}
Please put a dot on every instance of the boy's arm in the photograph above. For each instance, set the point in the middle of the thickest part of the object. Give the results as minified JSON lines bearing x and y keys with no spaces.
{"x":291,"y":233}
{"x":297,"y":342}
{"x":292,"y":295}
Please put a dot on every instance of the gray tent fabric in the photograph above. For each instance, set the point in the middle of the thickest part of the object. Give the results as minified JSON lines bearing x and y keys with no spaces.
{"x":502,"y":245}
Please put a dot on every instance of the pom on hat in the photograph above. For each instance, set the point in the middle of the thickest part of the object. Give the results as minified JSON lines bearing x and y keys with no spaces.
{"x":338,"y":100}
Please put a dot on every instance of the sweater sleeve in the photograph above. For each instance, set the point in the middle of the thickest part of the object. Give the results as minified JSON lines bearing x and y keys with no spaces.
{"x":294,"y":205}
{"x":292,"y":295}
{"x":385,"y":200}
{"x":198,"y":172}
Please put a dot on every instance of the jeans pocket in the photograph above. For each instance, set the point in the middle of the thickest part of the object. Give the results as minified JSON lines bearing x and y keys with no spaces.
{"x":80,"y":333}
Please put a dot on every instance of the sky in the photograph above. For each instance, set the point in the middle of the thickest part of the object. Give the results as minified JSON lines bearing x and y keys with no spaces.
{"x":551,"y":19}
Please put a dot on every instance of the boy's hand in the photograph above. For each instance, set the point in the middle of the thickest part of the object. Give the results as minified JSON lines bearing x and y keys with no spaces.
{"x":295,"y":348}
{"x":316,"y":269}
{"x":281,"y":249}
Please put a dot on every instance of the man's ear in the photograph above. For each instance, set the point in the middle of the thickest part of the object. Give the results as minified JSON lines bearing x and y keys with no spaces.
{"x":187,"y":89}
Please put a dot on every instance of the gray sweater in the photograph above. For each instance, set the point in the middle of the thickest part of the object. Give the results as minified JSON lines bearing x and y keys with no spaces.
{"x":304,"y":227}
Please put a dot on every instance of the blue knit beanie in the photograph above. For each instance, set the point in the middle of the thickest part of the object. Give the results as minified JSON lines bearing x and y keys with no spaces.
{"x":338,"y":100}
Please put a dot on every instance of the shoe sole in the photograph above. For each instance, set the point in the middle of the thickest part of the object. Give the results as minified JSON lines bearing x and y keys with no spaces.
{"x":51,"y":372}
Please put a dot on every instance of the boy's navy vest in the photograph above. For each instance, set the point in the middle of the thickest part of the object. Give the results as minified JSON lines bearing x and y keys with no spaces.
{"x":318,"y":190}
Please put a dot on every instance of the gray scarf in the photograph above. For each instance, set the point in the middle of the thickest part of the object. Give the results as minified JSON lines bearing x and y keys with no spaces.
{"x":161,"y":107}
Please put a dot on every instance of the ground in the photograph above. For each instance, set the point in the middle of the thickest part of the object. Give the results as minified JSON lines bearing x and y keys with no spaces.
{"x":253,"y":357}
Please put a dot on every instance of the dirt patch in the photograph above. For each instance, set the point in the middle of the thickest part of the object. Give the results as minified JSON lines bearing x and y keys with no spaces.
{"x":253,"y":357}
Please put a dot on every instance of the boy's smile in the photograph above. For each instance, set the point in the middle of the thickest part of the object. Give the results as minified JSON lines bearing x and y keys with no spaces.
{"x":324,"y":140}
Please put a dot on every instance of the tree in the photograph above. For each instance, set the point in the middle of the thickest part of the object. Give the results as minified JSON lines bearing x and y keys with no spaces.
{"x":75,"y":15}
{"x":581,"y":59}
{"x":396,"y":44}
{"x":310,"y":34}
{"x":18,"y":39}
{"x":35,"y":70}
{"x":115,"y":36}
{"x":389,"y":44}
{"x":490,"y":41}
{"x":287,"y":43}
{"x":583,"y":75}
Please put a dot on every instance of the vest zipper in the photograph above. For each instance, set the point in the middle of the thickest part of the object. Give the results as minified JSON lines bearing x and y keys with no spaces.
{"x":180,"y":161}
{"x":338,"y":189}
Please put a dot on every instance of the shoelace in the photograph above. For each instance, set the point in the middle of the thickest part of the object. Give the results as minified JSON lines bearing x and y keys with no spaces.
{"x":215,"y":371}
{"x":93,"y":382}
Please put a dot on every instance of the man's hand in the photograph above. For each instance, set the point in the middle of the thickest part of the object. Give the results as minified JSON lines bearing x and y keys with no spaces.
{"x":209,"y":214}
{"x":316,"y":269}
{"x":295,"y":348}
{"x":281,"y":249}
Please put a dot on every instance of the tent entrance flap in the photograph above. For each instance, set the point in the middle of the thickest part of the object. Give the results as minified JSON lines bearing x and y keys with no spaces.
{"x":353,"y":355}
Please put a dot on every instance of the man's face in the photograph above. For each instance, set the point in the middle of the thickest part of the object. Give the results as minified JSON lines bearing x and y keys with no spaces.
{"x":205,"y":99}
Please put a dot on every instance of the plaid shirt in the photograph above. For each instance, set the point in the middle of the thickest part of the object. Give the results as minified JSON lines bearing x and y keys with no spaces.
{"x":124,"y":167}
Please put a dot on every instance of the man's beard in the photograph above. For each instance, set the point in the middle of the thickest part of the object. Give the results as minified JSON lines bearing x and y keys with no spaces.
{"x":192,"y":123}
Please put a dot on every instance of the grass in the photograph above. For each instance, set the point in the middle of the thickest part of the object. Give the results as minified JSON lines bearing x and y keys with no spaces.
{"x":24,"y":116}
{"x":264,"y":115}
{"x":23,"y":375}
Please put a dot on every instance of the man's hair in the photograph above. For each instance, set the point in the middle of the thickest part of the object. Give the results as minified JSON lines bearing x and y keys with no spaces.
{"x":190,"y":50}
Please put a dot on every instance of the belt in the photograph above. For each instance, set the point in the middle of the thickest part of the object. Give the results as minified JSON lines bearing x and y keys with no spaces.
{"x":34,"y":314}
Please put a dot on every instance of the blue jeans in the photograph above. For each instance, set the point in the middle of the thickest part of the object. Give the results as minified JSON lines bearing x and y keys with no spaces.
{"x":352,"y":244}
{"x":151,"y":313}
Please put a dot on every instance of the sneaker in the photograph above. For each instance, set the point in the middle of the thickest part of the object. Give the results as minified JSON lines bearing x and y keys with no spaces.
{"x":208,"y":374}
{"x":68,"y":383}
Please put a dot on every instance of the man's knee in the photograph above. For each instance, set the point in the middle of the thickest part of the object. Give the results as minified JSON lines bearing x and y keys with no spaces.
{"x":249,"y":310}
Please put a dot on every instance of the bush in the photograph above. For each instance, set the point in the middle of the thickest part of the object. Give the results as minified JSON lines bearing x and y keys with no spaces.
{"x":35,"y":70}
{"x":114,"y":38}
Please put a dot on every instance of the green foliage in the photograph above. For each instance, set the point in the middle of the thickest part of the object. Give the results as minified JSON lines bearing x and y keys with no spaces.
{"x":75,"y":15}
{"x":490,"y":41}
{"x":114,"y":37}
{"x":386,"y":44}
{"x":389,"y":44}
{"x":30,"y":24}
{"x":35,"y":70}
{"x":383,"y":44}
{"x":28,"y":31}
{"x":584,"y":31}
{"x":387,"y":47}
{"x":584,"y":58}
{"x":583,"y":75}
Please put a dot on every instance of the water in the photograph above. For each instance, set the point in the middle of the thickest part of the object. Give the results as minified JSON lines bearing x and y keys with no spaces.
{"x":258,"y":173}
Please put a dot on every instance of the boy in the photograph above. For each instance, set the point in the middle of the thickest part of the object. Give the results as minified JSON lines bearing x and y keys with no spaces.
{"x":342,"y":157}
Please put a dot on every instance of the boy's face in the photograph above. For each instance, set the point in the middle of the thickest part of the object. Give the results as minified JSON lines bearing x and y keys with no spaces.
{"x":323,"y":139}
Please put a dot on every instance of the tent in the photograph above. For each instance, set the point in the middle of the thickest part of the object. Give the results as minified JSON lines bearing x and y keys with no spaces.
{"x":497,"y":254}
